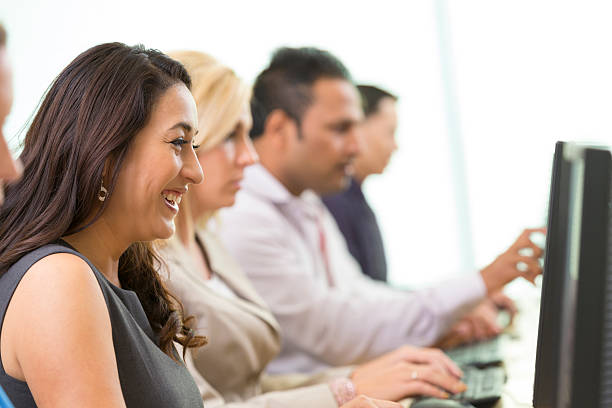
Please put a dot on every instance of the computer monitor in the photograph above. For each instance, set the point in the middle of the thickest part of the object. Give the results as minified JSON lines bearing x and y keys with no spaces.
{"x":573,"y":366}
{"x":590,"y":262}
{"x":553,"y":284}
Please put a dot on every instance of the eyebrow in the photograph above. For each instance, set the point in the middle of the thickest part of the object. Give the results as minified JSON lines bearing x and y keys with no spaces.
{"x":185,"y":126}
{"x":344,"y":123}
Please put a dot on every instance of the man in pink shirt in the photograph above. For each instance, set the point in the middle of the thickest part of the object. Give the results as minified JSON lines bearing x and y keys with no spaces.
{"x":306,"y":116}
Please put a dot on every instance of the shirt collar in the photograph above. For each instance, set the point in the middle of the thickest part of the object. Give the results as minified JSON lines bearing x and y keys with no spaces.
{"x":259,"y":181}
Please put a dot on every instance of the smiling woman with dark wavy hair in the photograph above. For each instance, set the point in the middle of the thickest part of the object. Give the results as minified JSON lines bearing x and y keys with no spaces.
{"x":85,"y":320}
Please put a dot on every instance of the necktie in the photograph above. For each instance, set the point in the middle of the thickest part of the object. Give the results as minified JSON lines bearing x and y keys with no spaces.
{"x":323,"y":249}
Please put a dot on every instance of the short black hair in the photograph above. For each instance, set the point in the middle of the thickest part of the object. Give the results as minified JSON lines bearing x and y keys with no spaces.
{"x":286,"y":83}
{"x":2,"y":36}
{"x":371,"y":97}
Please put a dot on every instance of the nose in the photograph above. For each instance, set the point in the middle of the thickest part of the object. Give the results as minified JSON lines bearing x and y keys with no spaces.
{"x":246,"y":154}
{"x":191,"y":170}
{"x":9,"y":169}
{"x":393,"y":144}
{"x":354,"y":141}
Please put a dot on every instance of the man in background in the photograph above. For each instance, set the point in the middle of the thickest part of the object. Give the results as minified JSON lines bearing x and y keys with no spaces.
{"x":357,"y":221}
{"x":306,"y":116}
{"x":350,"y":209}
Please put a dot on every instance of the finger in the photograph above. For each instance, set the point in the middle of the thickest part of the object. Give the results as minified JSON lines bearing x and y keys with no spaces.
{"x":530,"y":231}
{"x":449,"y":365}
{"x":530,"y":249}
{"x":441,"y":365}
{"x":508,"y":304}
{"x":426,"y":389}
{"x":386,"y":404}
{"x":437,"y":358}
{"x":531,"y":275}
{"x":477,"y":329}
{"x":464,"y":332}
{"x":504,"y":302}
{"x":526,"y":264}
{"x":440,"y":380}
{"x":490,"y":326}
{"x":524,"y":238}
{"x":533,"y":265}
{"x":490,"y":321}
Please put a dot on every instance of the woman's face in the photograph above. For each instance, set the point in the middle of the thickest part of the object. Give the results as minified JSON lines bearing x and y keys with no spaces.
{"x":157,"y":170}
{"x":224,"y":165}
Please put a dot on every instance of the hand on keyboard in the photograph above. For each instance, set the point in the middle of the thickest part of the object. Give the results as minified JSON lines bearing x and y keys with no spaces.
{"x":480,"y":324}
{"x":408,"y":371}
{"x":483,"y":385}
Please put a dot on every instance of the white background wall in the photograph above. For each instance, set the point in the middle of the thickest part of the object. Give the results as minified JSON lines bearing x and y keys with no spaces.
{"x":523,"y":73}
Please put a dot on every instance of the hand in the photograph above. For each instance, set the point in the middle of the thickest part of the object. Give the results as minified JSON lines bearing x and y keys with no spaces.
{"x":484,"y":320}
{"x":460,"y":333}
{"x":410,"y":354}
{"x":364,"y":402}
{"x":408,"y":371}
{"x":480,"y":324}
{"x":506,"y":267}
{"x":504,"y":302}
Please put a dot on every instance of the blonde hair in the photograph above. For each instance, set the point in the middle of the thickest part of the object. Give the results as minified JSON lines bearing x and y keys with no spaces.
{"x":219,"y":94}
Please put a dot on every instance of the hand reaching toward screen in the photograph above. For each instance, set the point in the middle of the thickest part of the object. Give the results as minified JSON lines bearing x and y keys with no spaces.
{"x":408,"y":371}
{"x":364,"y":402}
{"x":520,"y":260}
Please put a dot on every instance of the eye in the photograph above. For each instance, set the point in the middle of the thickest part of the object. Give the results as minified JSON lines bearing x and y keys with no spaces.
{"x":343,"y":127}
{"x":196,"y":146}
{"x":179,"y":142}
{"x":230,"y":140}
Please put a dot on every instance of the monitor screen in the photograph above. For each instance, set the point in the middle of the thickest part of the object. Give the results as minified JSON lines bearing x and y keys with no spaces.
{"x":574,"y":356}
{"x":553,"y":284}
{"x":591,"y":353}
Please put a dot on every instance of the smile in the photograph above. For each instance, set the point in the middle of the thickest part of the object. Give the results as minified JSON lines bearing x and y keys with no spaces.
{"x":172,"y":199}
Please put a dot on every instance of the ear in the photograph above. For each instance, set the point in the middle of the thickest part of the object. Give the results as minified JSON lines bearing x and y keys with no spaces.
{"x":105,"y":171}
{"x":280,"y":128}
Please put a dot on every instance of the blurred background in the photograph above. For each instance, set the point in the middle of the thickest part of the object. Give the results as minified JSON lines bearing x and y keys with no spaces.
{"x":486,"y":87}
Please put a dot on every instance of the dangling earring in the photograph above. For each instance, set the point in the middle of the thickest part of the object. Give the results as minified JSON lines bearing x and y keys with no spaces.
{"x":102,"y":193}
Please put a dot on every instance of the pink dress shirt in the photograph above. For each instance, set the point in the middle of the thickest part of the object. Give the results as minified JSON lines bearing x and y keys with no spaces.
{"x":275,"y":238}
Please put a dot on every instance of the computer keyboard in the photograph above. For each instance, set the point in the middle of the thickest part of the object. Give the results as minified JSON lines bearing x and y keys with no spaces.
{"x":484,"y":385}
{"x":479,"y":354}
{"x":482,"y":353}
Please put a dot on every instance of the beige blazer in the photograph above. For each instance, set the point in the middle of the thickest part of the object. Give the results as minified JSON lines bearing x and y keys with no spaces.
{"x":243,"y":337}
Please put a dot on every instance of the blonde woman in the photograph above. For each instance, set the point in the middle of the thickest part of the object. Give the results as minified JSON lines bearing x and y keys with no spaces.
{"x":243,"y":335}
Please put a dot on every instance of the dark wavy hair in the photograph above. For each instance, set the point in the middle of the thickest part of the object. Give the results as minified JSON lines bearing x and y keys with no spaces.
{"x":88,"y":118}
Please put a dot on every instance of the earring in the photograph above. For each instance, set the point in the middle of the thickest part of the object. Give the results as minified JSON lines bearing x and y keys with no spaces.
{"x":102,"y":193}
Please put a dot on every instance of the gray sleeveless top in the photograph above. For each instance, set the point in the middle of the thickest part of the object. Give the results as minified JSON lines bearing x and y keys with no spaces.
{"x":149,"y":378}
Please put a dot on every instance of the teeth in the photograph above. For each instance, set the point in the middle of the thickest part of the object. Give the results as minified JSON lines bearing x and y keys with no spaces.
{"x":173,"y":198}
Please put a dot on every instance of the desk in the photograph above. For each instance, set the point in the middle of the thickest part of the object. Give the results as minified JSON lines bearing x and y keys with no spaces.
{"x":519,"y":344}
